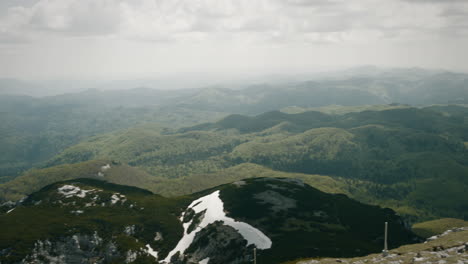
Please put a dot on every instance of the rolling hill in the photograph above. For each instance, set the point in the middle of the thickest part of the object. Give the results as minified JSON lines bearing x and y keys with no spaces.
{"x":36,"y":129}
{"x":412,"y":160}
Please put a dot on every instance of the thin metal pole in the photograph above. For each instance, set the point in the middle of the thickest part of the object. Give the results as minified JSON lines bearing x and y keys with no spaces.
{"x":255,"y":255}
{"x":386,"y":234}
{"x":385,"y":251}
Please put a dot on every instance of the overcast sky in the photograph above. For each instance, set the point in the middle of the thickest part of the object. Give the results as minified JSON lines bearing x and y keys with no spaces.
{"x":118,"y":39}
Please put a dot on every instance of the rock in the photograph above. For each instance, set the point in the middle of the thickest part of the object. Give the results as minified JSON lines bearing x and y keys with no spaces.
{"x":129,"y":230}
{"x":73,"y":249}
{"x":158,"y":236}
{"x":221,"y":243}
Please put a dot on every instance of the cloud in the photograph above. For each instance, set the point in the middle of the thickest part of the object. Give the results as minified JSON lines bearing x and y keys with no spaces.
{"x":70,"y":17}
{"x":253,"y":20}
{"x":445,"y":2}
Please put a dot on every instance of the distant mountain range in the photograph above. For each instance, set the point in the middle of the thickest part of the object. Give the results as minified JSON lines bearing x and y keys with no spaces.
{"x":35,"y":129}
{"x":356,"y":86}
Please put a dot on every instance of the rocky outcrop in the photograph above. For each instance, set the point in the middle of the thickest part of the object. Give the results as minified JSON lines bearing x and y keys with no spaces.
{"x":73,"y":249}
{"x":221,"y":244}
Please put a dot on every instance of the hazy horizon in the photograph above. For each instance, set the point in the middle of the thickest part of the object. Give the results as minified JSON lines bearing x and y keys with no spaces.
{"x":122,"y":40}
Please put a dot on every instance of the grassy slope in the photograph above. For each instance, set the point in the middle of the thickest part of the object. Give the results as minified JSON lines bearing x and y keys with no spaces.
{"x":35,"y":179}
{"x":132,"y":176}
{"x":409,"y":253}
{"x":435,"y":227}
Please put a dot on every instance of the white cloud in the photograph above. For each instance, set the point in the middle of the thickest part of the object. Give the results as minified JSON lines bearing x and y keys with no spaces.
{"x":230,"y":29}
{"x":188,"y":19}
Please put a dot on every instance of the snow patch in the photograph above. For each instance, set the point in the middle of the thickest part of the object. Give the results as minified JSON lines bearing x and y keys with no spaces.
{"x":150,"y":251}
{"x":129,"y":230}
{"x":11,"y":210}
{"x":131,"y":256}
{"x":73,"y":191}
{"x":204,"y":261}
{"x":105,"y":167}
{"x":8,"y":203}
{"x":214,"y":211}
{"x":158,"y":236}
{"x":116,"y":197}
{"x":457,"y":229}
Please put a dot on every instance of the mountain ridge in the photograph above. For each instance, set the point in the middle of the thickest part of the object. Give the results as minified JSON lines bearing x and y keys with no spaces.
{"x":88,"y":208}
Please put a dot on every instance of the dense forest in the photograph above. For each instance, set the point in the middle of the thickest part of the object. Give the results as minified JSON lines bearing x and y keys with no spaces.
{"x":397,"y":157}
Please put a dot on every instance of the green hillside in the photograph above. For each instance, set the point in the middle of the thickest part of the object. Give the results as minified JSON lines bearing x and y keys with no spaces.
{"x":36,"y":129}
{"x":413,"y":160}
{"x":437,"y":227}
{"x":132,"y":176}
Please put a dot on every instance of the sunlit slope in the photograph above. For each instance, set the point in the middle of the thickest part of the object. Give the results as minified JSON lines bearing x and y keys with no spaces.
{"x":449,"y":247}
{"x":435,"y":227}
{"x":133,"y":176}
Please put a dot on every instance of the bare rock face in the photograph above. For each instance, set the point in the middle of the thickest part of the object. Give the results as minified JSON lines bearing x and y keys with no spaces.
{"x":73,"y":249}
{"x":218,"y":242}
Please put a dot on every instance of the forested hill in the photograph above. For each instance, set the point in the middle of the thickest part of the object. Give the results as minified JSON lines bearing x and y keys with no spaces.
{"x":413,"y":160}
{"x":437,"y":119}
{"x":34,"y":129}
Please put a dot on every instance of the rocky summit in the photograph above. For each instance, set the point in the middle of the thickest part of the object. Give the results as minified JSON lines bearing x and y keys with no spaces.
{"x":85,"y":220}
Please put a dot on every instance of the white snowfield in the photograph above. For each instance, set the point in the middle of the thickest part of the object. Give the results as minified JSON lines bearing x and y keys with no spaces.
{"x":116,"y":197}
{"x":151,"y":251}
{"x":71,"y":191}
{"x":204,"y":261}
{"x":105,"y":167}
{"x":215,"y":212}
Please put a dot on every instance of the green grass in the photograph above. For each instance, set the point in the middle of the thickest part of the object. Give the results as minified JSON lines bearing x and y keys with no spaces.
{"x":435,"y":227}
